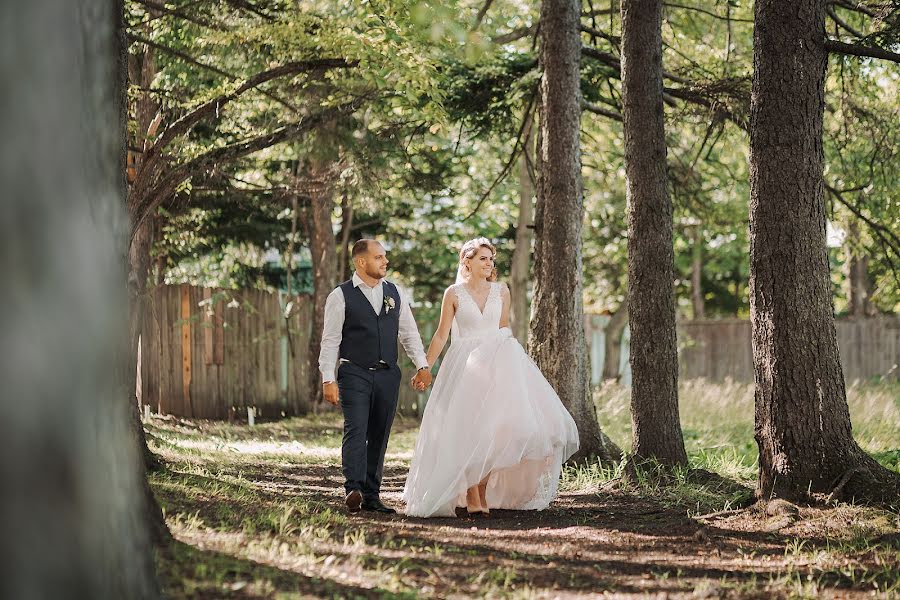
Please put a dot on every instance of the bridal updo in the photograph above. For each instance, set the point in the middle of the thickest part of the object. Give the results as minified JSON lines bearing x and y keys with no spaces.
{"x":470,"y":249}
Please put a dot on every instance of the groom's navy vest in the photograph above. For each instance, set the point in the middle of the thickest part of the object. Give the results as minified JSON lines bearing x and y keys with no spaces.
{"x":367,"y":338}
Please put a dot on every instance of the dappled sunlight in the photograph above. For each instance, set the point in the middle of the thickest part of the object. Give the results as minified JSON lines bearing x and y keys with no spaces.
{"x":258,"y":511}
{"x":293,"y":448}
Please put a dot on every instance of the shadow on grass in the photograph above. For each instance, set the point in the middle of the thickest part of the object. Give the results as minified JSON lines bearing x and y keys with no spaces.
{"x":190,"y":572}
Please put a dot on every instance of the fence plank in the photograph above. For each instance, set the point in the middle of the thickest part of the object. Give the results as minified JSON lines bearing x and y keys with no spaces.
{"x":247,"y":365}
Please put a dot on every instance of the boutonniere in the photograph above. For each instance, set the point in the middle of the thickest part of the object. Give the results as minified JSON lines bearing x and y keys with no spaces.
{"x":388,"y":304}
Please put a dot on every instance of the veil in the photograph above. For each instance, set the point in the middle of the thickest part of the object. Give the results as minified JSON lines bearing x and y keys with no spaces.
{"x":460,"y":278}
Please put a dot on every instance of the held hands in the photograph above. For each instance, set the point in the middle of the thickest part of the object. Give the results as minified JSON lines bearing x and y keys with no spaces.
{"x":422,"y":379}
{"x":330,"y":391}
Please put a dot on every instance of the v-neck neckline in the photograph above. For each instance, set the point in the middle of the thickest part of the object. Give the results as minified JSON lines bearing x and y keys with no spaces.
{"x":380,"y":309}
{"x":475,"y":302}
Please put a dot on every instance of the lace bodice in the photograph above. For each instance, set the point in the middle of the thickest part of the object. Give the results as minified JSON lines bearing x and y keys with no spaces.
{"x":469,"y":321}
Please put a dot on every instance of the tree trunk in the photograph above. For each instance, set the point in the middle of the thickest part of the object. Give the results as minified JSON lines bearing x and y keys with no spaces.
{"x":137,"y":270}
{"x":72,"y":510}
{"x":651,"y":260}
{"x":802,"y":419}
{"x":557,"y":327}
{"x":612,"y":340}
{"x":521,"y":258}
{"x":697,"y":303}
{"x":346,"y":230}
{"x":858,"y":281}
{"x":324,"y":265}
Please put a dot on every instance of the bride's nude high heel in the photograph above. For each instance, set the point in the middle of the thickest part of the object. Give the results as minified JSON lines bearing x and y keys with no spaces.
{"x":470,"y":502}
{"x":482,"y":496}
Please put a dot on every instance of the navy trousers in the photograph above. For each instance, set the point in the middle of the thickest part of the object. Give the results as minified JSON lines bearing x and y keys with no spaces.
{"x":369,"y":402}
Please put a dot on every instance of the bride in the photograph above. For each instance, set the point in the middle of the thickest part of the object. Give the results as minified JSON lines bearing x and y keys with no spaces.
{"x":494,"y":433}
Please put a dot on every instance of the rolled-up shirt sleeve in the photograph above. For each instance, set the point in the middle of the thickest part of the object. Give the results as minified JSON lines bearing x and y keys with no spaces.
{"x":331,"y":334}
{"x":409,"y":334}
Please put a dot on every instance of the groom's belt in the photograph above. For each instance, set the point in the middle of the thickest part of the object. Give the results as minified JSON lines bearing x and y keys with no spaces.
{"x":379,"y":366}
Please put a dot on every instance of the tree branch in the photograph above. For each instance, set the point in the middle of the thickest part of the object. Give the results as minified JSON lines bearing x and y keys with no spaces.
{"x":153,"y":154}
{"x":185,"y":123}
{"x":517,"y":147}
{"x":176,"y":12}
{"x":612,"y":61}
{"x":613,"y":39}
{"x":856,"y":7}
{"x":612,"y":10}
{"x":519,"y":33}
{"x":599,"y":110}
{"x":243,"y":4}
{"x":159,"y":15}
{"x":842,"y":23}
{"x":480,"y":16}
{"x":191,"y":60}
{"x":142,"y":206}
{"x":706,"y":12}
{"x":894,"y":240}
{"x":839,"y":47}
{"x":886,"y":237}
{"x":682,"y":93}
{"x":515,"y":34}
{"x":696,"y":98}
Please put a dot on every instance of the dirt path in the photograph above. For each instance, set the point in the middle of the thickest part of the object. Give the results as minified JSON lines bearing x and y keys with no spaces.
{"x":613,"y":543}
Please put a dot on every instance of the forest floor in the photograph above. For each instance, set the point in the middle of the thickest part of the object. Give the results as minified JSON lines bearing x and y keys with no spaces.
{"x":257,"y":512}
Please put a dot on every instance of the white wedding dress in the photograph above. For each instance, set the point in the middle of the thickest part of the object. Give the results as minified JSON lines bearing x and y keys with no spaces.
{"x":491,"y":412}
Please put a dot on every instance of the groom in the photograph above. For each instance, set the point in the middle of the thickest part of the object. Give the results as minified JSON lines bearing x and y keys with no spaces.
{"x":364,"y":317}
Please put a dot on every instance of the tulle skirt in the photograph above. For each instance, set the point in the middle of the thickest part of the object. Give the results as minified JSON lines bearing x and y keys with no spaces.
{"x":491,"y":413}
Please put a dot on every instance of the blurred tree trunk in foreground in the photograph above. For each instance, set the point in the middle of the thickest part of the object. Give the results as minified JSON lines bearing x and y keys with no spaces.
{"x":72,"y":511}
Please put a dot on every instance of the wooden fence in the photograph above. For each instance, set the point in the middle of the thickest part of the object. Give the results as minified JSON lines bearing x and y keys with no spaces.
{"x":214,"y":354}
{"x":715,"y":350}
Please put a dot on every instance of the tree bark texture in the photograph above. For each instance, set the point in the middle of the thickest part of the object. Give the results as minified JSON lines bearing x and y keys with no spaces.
{"x":73,"y":518}
{"x":324,"y":264}
{"x":557,"y":341}
{"x":802,"y":420}
{"x":651,"y":262}
{"x":140,"y":241}
{"x":697,"y":303}
{"x":520,"y":271}
{"x":858,"y":281}
{"x":346,"y":231}
{"x":613,"y":342}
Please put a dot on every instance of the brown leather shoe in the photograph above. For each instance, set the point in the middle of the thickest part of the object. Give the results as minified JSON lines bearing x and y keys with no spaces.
{"x":353,"y":501}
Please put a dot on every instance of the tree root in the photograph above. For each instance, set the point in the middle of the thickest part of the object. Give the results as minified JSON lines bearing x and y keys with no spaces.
{"x":788,"y":514}
{"x":839,"y":483}
{"x":722,"y":513}
{"x":867,"y":482}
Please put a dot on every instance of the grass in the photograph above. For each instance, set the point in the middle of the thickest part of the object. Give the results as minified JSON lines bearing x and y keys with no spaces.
{"x":256,"y":514}
{"x":717,"y":422}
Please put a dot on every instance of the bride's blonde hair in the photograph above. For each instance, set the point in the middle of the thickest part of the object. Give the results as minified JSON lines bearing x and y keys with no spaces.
{"x":471,"y":247}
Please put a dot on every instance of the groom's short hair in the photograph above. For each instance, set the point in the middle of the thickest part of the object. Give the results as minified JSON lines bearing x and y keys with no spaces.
{"x":360,"y":248}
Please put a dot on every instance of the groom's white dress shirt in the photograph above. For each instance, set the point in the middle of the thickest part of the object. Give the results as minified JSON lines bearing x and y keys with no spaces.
{"x":334,"y":325}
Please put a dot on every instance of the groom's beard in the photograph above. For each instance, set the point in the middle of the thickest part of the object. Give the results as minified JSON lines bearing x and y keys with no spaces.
{"x":376,"y":273}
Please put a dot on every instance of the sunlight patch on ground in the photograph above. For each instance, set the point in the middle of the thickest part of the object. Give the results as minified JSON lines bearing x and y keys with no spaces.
{"x":257,"y":447}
